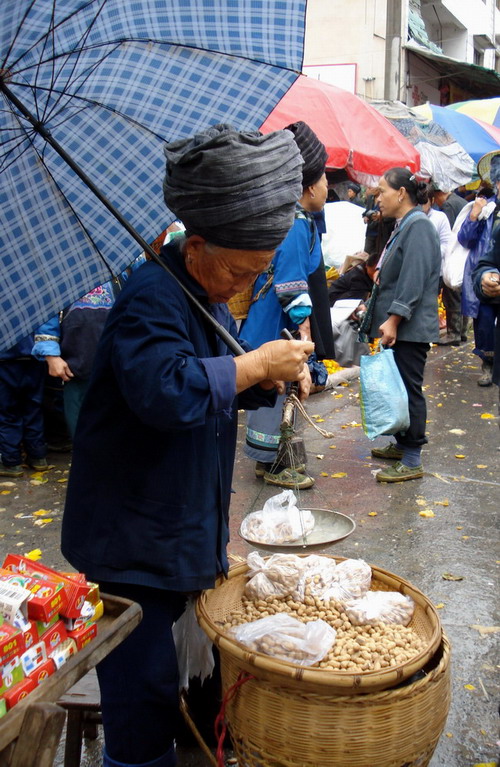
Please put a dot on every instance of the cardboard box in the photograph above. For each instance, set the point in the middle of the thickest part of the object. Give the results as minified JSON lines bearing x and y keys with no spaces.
{"x":63,"y":652}
{"x":76,"y":590}
{"x":13,"y":601}
{"x":42,"y":672}
{"x":34,"y":657}
{"x":11,"y":674}
{"x":54,"y":636}
{"x":30,"y":636}
{"x":46,"y":598}
{"x":11,"y":643}
{"x":18,"y":692}
{"x":83,"y":635}
{"x":3,"y":707}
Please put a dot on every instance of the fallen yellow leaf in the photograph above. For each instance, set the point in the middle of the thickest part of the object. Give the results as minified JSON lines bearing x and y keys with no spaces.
{"x":465,"y":537}
{"x":485,"y":416}
{"x":442,"y":503}
{"x":7,"y":484}
{"x":372,"y":513}
{"x":485,"y":764}
{"x":421,"y":502}
{"x":42,"y":522}
{"x":439,"y":606}
{"x":338,"y":396}
{"x":339,"y":474}
{"x":483,"y":630}
{"x":481,"y":466}
{"x":469,"y":687}
{"x":5,"y":492}
{"x":449,"y":734}
{"x":323,"y":474}
{"x":34,"y":555}
{"x":319,"y":420}
{"x":42,"y":512}
{"x":458,"y":455}
{"x":62,"y":480}
{"x":427,"y":513}
{"x":332,"y":447}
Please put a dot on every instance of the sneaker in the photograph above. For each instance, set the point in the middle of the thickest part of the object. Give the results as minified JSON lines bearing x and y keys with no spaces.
{"x":389,"y":451}
{"x":399,"y":473}
{"x":10,"y":471}
{"x":289,"y":478}
{"x":261,"y":468}
{"x":39,"y":464}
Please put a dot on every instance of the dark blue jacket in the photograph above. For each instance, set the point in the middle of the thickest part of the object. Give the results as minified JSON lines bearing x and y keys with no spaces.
{"x":150,"y":482}
{"x":490,"y":262}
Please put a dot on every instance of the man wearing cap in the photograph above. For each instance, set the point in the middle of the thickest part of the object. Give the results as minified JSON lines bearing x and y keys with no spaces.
{"x":158,"y":424}
{"x":353,"y":191}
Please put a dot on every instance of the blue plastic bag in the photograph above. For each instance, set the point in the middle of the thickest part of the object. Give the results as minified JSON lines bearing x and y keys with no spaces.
{"x":382,"y":394}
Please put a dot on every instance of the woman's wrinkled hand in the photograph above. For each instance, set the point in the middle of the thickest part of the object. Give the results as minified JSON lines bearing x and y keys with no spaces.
{"x":477,"y":207}
{"x":286,"y":360}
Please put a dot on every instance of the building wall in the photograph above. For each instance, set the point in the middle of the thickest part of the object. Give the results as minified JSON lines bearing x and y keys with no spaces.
{"x":340,"y":32}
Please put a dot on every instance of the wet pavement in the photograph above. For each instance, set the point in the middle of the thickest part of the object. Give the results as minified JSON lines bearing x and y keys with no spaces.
{"x":461,"y":487}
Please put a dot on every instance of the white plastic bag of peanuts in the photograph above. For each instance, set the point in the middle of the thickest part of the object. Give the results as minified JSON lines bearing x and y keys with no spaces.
{"x":380,"y":607}
{"x":287,"y":638}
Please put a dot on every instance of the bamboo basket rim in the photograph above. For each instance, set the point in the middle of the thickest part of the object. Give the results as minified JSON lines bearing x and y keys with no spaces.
{"x":315,"y":679}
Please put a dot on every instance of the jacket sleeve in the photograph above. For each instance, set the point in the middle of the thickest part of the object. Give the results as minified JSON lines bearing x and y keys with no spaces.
{"x":292,"y":266}
{"x":470,"y":232}
{"x":490,"y":262}
{"x":419,"y":248}
{"x":47,"y":340}
{"x":163,"y":380}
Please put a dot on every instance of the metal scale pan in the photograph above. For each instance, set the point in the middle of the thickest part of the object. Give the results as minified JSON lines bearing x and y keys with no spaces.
{"x":329,"y":527}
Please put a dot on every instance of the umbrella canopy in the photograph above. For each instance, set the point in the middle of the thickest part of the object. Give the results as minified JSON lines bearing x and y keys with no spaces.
{"x":486,"y":110}
{"x":356,"y":136}
{"x":441,"y":157}
{"x":110,"y":81}
{"x":475,"y":136}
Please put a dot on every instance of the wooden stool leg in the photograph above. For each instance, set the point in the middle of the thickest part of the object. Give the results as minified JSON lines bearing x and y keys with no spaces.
{"x":39,"y":736}
{"x":74,"y":732}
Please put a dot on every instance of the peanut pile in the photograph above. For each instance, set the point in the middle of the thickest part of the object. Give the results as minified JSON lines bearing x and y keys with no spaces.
{"x":356,"y":649}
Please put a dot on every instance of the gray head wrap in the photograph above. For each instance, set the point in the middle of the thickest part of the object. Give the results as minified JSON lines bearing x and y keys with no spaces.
{"x":235,"y":189}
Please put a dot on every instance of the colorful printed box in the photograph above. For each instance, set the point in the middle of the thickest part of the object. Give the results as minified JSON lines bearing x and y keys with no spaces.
{"x":83,"y":635}
{"x":54,"y":636}
{"x":11,"y":643}
{"x":76,"y":590}
{"x":18,"y":692}
{"x":46,"y":599}
{"x":42,"y":672}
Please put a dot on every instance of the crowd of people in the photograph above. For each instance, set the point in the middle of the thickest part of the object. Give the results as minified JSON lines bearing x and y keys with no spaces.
{"x":149,"y":382}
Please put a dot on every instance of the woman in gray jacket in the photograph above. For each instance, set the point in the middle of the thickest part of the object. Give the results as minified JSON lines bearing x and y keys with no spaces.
{"x":405,"y":311}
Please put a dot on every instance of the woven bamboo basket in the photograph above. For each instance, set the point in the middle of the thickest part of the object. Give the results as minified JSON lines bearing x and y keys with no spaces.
{"x":213,"y":607}
{"x":283,"y":715}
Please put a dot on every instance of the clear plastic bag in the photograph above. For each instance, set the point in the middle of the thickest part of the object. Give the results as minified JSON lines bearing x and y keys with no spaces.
{"x":287,"y":638}
{"x":381,"y":607}
{"x":193,"y":647}
{"x":280,"y":521}
{"x":352,"y":580}
{"x":318,"y":575}
{"x":276,"y":577}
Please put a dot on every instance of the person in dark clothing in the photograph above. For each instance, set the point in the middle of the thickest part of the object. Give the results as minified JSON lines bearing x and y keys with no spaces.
{"x":355,"y":283}
{"x":21,"y":417}
{"x":353,"y":192}
{"x":158,"y":424}
{"x":456,"y":325}
{"x":371,"y":217}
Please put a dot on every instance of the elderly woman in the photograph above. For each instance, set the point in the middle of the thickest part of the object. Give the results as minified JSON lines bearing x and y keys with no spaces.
{"x":148,"y":497}
{"x":404,"y":313}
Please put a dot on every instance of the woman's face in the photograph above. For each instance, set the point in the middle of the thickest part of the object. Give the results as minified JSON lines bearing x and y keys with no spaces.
{"x":320,"y":191}
{"x":223,"y":272}
{"x":389,"y":199}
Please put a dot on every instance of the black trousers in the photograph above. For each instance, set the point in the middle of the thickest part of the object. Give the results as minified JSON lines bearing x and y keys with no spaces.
{"x":410,"y":358}
{"x":139,"y":681}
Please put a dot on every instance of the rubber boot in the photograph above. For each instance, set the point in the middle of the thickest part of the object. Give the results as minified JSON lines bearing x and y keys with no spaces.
{"x":487,"y":369}
{"x":465,"y":328}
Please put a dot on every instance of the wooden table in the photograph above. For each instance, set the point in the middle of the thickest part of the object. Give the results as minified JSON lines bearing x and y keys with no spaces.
{"x":30,"y":731}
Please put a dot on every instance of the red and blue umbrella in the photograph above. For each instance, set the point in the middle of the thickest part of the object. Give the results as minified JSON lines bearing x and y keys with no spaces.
{"x":474,"y":135}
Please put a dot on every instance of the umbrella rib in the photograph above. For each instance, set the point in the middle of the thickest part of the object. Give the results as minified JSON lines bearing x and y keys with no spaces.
{"x":17,"y":33}
{"x":81,"y":49}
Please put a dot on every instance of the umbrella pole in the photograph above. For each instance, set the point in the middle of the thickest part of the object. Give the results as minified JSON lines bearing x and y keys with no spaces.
{"x":221,"y":331}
